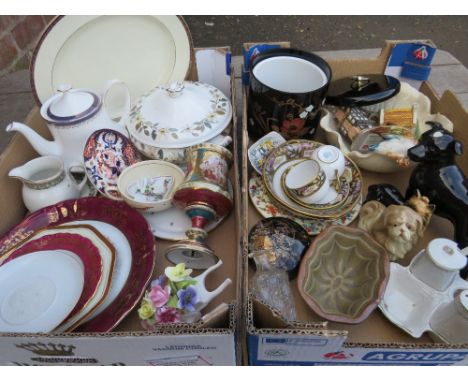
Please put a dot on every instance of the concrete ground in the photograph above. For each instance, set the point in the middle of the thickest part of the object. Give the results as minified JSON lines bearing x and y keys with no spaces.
{"x":313,"y":33}
{"x":318,"y":33}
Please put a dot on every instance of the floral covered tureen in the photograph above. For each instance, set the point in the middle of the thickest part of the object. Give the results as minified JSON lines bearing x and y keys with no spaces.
{"x":170,"y":118}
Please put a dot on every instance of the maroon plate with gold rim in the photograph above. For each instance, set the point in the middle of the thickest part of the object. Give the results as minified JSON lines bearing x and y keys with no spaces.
{"x":133,"y":226}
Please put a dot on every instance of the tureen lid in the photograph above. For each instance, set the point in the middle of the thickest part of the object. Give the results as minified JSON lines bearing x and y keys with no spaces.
{"x":362,"y":90}
{"x":445,"y":254}
{"x":179,"y":115}
{"x":69,"y":105}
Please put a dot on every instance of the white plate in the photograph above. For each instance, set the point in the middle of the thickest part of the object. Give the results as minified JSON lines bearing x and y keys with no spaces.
{"x":87,"y":51}
{"x":108,"y":260}
{"x":123,"y":260}
{"x":172,"y":223}
{"x":38,"y":290}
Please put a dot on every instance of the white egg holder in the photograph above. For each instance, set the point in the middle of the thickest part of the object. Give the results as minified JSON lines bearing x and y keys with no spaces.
{"x":411,"y":304}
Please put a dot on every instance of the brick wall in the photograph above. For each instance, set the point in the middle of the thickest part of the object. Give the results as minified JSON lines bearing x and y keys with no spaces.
{"x":18,"y":35}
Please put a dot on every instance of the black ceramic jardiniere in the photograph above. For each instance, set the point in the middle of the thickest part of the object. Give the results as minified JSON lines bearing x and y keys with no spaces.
{"x":287,"y":89}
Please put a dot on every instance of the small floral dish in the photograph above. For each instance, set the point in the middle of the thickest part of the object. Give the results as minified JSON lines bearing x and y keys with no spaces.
{"x":149,"y":185}
{"x":260,"y":149}
{"x":106,"y":154}
{"x":176,"y":297}
{"x":282,"y":240}
{"x":263,"y":203}
{"x":373,"y":161}
{"x":343,"y":275}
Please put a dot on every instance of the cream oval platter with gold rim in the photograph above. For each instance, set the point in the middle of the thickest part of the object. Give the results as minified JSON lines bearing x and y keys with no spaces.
{"x":86,"y":51}
{"x":296,"y":150}
{"x":263,"y":203}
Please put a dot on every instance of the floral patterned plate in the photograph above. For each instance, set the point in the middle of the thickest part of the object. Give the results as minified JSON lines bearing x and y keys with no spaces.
{"x":106,"y":154}
{"x":284,"y":241}
{"x":265,"y":206}
{"x":293,"y":150}
{"x":121,"y":216}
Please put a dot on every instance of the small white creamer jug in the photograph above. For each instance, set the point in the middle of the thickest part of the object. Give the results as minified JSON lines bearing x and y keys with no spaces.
{"x":45,"y":182}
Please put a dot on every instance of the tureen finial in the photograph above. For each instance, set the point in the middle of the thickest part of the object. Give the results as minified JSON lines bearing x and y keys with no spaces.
{"x":175,"y":89}
{"x":63,"y":88}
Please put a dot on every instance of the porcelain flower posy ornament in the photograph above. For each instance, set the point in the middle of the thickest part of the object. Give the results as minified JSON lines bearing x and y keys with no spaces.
{"x":176,"y":297}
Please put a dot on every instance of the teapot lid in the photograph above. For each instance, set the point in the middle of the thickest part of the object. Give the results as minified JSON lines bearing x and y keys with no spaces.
{"x":69,"y":106}
{"x":179,"y":115}
{"x":446,"y":254}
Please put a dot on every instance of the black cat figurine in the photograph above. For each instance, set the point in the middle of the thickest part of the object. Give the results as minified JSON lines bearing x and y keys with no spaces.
{"x":439,"y":178}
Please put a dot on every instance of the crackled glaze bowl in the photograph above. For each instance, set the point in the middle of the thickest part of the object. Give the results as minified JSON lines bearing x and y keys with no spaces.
{"x":343,"y":275}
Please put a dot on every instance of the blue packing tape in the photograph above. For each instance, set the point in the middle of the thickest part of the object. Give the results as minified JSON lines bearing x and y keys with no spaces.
{"x":228,"y":63}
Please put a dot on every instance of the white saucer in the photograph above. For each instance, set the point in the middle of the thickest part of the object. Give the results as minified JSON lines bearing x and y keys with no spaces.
{"x":123,"y":260}
{"x":38,"y":290}
{"x":108,"y":256}
{"x":171,"y":224}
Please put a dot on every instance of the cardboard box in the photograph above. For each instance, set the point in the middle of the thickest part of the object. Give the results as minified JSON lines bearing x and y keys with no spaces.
{"x":213,"y":341}
{"x":376,"y":341}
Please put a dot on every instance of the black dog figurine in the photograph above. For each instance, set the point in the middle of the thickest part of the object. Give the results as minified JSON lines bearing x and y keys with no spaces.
{"x":439,"y":178}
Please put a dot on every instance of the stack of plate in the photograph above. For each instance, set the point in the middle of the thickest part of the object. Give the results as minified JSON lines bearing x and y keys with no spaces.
{"x":270,"y":199}
{"x":79,"y":265}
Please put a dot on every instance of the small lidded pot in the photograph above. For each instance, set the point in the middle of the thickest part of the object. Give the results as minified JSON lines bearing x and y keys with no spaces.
{"x":439,"y":264}
{"x":169,"y":119}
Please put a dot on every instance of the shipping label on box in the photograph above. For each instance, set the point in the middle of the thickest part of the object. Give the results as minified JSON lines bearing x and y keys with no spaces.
{"x":281,"y":349}
{"x":206,"y":349}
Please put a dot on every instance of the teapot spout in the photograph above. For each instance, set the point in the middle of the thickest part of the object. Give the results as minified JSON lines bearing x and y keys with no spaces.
{"x":41,"y":145}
